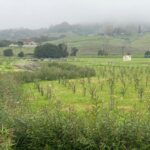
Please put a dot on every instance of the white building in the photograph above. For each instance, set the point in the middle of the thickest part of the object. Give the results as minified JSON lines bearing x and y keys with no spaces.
{"x":29,"y":44}
{"x":127,"y":58}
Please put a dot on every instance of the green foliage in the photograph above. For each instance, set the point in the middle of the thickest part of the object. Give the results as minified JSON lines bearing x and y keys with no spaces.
{"x":74,"y":51}
{"x":10,"y":89}
{"x":21,"y":54}
{"x":62,"y":131}
{"x":5,"y":139}
{"x":5,"y":43}
{"x":51,"y":51}
{"x":20,"y":43}
{"x":8,"y":52}
{"x":147,"y":54}
{"x":102,"y":53}
{"x":54,"y":71}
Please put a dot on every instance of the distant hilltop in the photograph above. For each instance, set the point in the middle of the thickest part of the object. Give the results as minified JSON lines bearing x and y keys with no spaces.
{"x":65,"y":29}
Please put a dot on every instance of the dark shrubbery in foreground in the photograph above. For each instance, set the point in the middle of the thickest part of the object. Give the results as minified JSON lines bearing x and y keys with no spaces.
{"x":54,"y":71}
{"x":66,"y":131}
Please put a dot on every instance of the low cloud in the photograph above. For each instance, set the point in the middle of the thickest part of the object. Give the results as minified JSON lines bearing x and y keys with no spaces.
{"x":43,"y":13}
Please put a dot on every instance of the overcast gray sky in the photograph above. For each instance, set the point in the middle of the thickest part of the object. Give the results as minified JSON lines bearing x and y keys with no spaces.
{"x":43,"y":13}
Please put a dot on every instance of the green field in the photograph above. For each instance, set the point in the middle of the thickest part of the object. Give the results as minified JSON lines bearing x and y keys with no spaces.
{"x":50,"y":110}
{"x":89,"y":45}
{"x":102,"y":66}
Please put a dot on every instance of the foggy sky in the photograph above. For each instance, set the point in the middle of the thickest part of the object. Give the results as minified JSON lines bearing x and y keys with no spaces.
{"x":43,"y":13}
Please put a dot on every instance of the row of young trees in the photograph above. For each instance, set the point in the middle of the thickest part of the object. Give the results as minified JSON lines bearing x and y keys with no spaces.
{"x":53,"y":51}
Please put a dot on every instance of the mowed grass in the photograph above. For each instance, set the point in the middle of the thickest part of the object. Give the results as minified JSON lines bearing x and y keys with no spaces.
{"x":95,"y":62}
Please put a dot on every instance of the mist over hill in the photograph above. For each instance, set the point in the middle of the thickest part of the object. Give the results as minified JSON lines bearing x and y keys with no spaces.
{"x":66,"y":29}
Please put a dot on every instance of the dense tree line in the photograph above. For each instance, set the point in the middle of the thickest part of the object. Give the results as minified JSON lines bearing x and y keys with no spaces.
{"x":5,"y":43}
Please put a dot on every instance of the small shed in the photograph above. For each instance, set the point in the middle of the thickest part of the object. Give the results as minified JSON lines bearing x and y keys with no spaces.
{"x":127,"y":58}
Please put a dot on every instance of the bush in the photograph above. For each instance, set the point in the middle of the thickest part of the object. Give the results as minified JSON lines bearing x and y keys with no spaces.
{"x":21,"y":54}
{"x":55,"y":130}
{"x":102,"y":53}
{"x":51,"y":51}
{"x":55,"y":71}
{"x":74,"y":51}
{"x":147,"y":54}
{"x":8,"y":52}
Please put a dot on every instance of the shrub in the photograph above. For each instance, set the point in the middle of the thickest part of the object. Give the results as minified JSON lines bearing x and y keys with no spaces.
{"x":55,"y":71}
{"x":21,"y":54}
{"x":147,"y":54}
{"x":8,"y":52}
{"x":62,"y":131}
{"x":102,"y":53}
{"x":74,"y":51}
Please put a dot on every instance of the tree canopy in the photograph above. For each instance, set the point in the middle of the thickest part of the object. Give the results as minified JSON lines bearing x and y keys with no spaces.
{"x":21,"y":54}
{"x":102,"y":53}
{"x":147,"y":54}
{"x":74,"y":51}
{"x":51,"y":51}
{"x":8,"y":52}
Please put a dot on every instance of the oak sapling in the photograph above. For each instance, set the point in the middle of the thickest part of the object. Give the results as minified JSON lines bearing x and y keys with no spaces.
{"x":37,"y":85}
{"x":141,"y":93}
{"x":73,"y":84}
{"x":93,"y":92}
{"x":49,"y":92}
{"x":83,"y":84}
{"x":124,"y":87}
{"x":111,"y":83}
{"x":42,"y":90}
